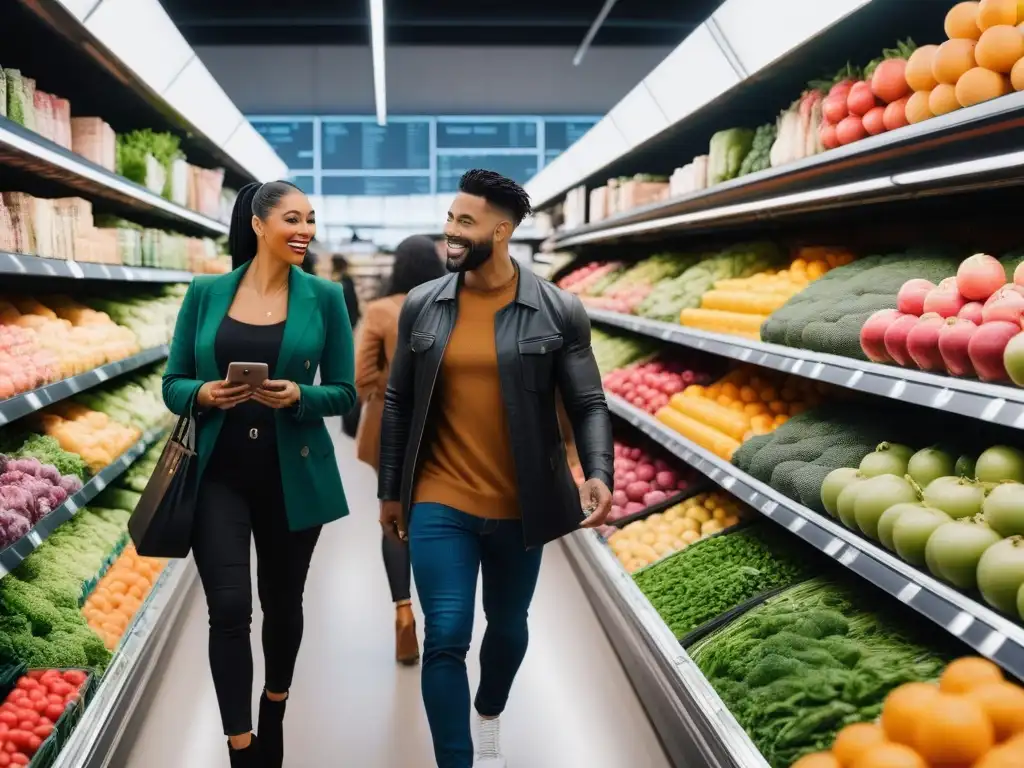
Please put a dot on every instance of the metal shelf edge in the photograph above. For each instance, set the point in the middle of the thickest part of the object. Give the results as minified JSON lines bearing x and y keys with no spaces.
{"x":989,"y":633}
{"x":22,"y":405}
{"x":13,"y":555}
{"x":26,"y":265}
{"x":83,"y":172}
{"x":95,"y":740}
{"x":694,"y":725}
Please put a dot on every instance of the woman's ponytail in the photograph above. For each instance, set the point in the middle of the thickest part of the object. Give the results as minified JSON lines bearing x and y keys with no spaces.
{"x":241,"y":236}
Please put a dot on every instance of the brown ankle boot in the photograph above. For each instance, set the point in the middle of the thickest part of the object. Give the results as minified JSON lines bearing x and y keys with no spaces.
{"x":407,"y":649}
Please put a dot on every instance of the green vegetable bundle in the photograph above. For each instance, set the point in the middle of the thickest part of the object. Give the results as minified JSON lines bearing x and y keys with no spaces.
{"x":727,"y":152}
{"x":650,"y":271}
{"x":614,"y":351}
{"x":759,"y":157}
{"x":827,"y":316}
{"x":671,"y":296}
{"x":806,"y":663}
{"x":41,"y":624}
{"x":133,"y":147}
{"x":712,"y":576}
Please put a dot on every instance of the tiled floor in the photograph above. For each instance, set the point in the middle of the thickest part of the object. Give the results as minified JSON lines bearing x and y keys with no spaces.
{"x":572,"y":707}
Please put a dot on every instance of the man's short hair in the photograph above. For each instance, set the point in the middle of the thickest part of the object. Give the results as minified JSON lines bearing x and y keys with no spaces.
{"x":499,"y":191}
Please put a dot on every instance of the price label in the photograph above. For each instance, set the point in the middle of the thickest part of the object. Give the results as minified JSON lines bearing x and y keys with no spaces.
{"x":75,"y":270}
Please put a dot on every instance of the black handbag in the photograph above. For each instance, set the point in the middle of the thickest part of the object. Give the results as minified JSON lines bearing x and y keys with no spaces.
{"x":161,"y":525}
{"x":350,"y":421}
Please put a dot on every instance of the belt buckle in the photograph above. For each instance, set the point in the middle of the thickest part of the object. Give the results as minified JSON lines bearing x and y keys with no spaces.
{"x":254,"y":433}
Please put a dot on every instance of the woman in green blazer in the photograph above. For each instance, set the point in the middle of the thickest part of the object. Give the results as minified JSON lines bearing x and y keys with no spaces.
{"x":267,"y":469}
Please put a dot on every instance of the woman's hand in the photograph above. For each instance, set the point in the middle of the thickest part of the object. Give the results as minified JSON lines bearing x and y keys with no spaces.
{"x":221,"y":394}
{"x":277,"y":394}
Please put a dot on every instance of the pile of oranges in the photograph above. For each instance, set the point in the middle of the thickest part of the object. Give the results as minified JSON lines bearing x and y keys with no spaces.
{"x":973,"y":718}
{"x":119,"y":595}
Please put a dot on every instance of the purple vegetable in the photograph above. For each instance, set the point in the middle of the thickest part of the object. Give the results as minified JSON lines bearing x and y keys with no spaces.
{"x":56,"y":496}
{"x":49,"y":473}
{"x":12,"y":527}
{"x":13,"y":477}
{"x":42,"y":509}
{"x":71,"y":484}
{"x":16,"y":499}
{"x":4,"y":458}
{"x":30,"y":466}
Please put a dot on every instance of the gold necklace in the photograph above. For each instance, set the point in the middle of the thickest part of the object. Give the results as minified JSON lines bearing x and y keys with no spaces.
{"x":270,"y":313}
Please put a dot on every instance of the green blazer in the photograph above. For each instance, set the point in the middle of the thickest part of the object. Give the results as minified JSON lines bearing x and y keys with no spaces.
{"x":317,"y":334}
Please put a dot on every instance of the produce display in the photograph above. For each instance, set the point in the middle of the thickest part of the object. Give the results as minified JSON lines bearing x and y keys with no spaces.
{"x":644,"y":478}
{"x":29,"y":491}
{"x":644,"y":542}
{"x":650,"y":385}
{"x":614,"y":351}
{"x":811,"y":660}
{"x":146,"y":157}
{"x":120,"y":594}
{"x":972,"y":716}
{"x":967,"y":325}
{"x":747,"y":401}
{"x":712,"y":576}
{"x":623,"y":290}
{"x":53,"y":337}
{"x":32,"y":709}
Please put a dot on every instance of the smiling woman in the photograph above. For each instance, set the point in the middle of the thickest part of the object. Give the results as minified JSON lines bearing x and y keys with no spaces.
{"x":266,"y":466}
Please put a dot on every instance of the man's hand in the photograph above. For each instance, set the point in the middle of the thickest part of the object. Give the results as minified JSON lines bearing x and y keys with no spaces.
{"x":596,"y":500}
{"x":391,"y":520}
{"x":221,"y":394}
{"x":277,"y":394}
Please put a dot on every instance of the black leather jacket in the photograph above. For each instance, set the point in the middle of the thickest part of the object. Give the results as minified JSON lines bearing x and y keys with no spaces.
{"x":543,"y":345}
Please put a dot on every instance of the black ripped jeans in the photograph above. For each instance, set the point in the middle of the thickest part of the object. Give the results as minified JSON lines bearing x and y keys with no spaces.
{"x":240,"y":501}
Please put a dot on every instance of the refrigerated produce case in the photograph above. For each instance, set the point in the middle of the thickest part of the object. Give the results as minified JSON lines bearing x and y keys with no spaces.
{"x":753,"y":267}
{"x":95,"y":256}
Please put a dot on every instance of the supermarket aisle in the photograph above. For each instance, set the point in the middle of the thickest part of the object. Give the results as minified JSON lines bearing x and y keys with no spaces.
{"x":353,"y":706}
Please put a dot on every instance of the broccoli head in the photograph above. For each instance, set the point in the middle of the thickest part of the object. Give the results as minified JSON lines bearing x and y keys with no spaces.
{"x":19,"y":596}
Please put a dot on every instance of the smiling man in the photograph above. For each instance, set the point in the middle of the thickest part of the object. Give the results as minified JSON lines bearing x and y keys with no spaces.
{"x":473,"y":467}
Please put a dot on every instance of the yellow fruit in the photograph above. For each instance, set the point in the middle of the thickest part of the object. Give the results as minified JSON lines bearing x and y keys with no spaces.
{"x":962,"y":22}
{"x":980,"y":84}
{"x":999,"y":48}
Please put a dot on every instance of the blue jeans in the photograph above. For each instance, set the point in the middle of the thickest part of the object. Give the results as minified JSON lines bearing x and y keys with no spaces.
{"x":448,"y":548}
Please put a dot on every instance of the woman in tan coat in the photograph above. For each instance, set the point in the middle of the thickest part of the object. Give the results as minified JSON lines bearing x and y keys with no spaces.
{"x":416,"y":262}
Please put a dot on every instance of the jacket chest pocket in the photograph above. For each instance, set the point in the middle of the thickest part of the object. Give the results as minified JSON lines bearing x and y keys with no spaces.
{"x":537,"y":360}
{"x":420,"y":342}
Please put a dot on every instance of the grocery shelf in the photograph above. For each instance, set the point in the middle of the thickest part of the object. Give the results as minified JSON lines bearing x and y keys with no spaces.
{"x":37,"y":266}
{"x":896,"y":165}
{"x":27,"y":151}
{"x":694,"y":725}
{"x":95,"y":740}
{"x":989,"y":633}
{"x":993,"y":403}
{"x":28,"y":402}
{"x":11,"y":557}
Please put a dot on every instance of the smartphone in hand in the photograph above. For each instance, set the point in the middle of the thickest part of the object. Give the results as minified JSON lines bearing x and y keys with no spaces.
{"x":253,"y":374}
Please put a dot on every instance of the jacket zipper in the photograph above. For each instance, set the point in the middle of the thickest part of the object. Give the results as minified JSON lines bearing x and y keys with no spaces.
{"x":430,"y":399}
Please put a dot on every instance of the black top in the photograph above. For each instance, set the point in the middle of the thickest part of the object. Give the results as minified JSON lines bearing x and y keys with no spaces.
{"x":239,"y":342}
{"x":351,"y":300}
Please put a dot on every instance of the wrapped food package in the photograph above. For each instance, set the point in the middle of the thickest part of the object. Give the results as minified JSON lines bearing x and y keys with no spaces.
{"x":29,"y":88}
{"x":15,"y":96}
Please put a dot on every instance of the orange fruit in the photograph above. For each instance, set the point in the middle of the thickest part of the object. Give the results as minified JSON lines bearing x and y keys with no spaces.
{"x":854,"y":740}
{"x":969,"y":672}
{"x":890,"y":756}
{"x":1010,"y":755}
{"x":999,"y":48}
{"x":953,"y":58}
{"x":992,"y":13}
{"x":904,"y":707}
{"x":1004,"y":705}
{"x":962,"y":22}
{"x":817,"y":760}
{"x":955,"y":731}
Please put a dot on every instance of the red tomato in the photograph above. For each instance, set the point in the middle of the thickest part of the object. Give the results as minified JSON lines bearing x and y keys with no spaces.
{"x":75,"y":677}
{"x":19,"y":759}
{"x":34,"y":742}
{"x":26,"y":683}
{"x":17,"y":695}
{"x":9,"y":746}
{"x":35,"y":674}
{"x":5,"y":759}
{"x":17,"y":739}
{"x":26,"y":725}
{"x":60,"y":688}
{"x":8,"y":718}
{"x":43,"y":731}
{"x":53,"y":698}
{"x":54,"y":711}
{"x":37,"y":694}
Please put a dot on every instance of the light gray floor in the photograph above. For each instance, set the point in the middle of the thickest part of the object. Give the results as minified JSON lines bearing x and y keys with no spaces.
{"x":572,"y":706}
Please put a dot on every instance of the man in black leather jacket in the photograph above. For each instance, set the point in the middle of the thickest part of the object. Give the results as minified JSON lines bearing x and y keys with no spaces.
{"x":473,"y":467}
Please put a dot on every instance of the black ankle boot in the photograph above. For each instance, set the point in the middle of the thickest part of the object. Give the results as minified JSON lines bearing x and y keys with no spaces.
{"x":271,"y":731}
{"x":248,"y":757}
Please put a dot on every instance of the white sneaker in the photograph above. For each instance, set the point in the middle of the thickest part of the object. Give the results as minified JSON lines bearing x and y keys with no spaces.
{"x":488,"y":743}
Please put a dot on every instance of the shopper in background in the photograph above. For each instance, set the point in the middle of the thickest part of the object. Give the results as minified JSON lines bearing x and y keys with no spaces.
{"x":342,"y":276}
{"x":416,"y":262}
{"x":472,"y":463}
{"x":267,"y":469}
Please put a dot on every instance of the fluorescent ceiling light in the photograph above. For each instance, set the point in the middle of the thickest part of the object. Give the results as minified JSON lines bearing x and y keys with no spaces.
{"x":377,"y":48}
{"x":592,"y":32}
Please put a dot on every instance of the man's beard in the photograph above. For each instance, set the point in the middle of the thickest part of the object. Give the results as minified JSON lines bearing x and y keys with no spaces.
{"x":475,"y":255}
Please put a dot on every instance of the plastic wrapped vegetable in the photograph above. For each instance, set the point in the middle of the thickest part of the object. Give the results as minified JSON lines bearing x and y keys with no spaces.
{"x":728,"y":149}
{"x":15,"y":96}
